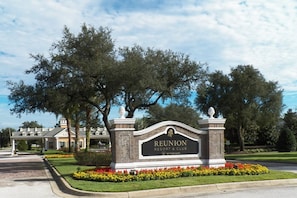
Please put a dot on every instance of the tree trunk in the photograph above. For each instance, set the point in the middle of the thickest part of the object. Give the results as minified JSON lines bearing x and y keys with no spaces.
{"x":69,"y":134}
{"x":107,"y":125}
{"x":88,"y":128}
{"x":76,"y":148}
{"x":130,"y":114}
{"x":241,"y":138}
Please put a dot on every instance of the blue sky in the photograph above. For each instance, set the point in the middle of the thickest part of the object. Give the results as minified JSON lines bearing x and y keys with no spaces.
{"x":222,"y":33}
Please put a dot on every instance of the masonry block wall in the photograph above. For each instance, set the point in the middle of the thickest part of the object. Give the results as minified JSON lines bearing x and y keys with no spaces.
{"x":182,"y":145}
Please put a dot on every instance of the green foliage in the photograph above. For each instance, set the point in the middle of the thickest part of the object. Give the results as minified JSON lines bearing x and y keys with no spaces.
{"x":32,"y":124}
{"x":286,"y":141}
{"x":248,"y":102}
{"x":85,"y":71}
{"x":93,"y":158}
{"x":53,"y":152}
{"x":67,"y":149}
{"x":22,"y":145}
{"x":268,"y":136}
{"x":283,"y":157}
{"x":151,"y":75}
{"x":175,"y":112}
{"x":37,"y":143}
{"x":5,"y":137}
{"x":290,"y":121}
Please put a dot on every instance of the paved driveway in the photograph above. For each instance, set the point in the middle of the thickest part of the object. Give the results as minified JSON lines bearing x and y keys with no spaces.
{"x":281,"y":166}
{"x":24,"y":176}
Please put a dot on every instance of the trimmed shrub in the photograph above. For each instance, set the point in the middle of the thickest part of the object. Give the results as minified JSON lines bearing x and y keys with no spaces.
{"x":286,"y":141}
{"x":93,"y":158}
{"x":22,"y":145}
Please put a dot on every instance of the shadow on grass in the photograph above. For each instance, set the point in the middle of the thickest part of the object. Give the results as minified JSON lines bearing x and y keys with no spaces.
{"x":273,"y":157}
{"x":63,"y":162}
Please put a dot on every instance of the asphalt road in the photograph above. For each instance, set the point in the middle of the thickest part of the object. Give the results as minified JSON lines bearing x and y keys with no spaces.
{"x":261,"y":192}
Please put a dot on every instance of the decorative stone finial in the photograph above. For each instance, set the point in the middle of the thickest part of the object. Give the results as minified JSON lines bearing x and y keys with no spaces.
{"x":122,"y":112}
{"x":211,"y":112}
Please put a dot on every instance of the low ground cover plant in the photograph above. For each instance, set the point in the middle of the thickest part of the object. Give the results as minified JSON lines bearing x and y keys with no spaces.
{"x":108,"y":175}
{"x":59,"y":156}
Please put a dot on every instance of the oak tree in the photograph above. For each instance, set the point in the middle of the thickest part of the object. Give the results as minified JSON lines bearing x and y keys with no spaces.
{"x":245,"y":98}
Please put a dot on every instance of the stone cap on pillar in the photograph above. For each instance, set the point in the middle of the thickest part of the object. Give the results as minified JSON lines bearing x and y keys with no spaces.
{"x":211,"y":122}
{"x":123,"y":124}
{"x":123,"y":121}
{"x":217,"y":124}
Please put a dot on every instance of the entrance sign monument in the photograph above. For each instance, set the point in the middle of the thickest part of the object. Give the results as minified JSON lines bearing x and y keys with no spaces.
{"x":167,"y":144}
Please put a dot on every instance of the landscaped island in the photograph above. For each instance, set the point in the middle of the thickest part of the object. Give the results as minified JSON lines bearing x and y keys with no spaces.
{"x":109,"y":175}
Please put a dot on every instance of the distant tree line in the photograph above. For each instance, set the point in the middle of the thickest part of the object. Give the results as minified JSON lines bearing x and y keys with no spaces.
{"x":5,"y":137}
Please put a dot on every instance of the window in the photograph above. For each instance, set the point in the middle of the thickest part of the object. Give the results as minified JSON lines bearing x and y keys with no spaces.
{"x":62,"y":144}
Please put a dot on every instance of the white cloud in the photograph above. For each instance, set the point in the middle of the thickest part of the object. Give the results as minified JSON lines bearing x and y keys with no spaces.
{"x":223,"y":33}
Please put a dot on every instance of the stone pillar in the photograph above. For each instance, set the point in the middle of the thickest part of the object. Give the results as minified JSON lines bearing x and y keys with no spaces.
{"x":57,"y":144}
{"x":214,"y":141}
{"x":46,"y":144}
{"x":13,"y":150}
{"x":122,"y":143}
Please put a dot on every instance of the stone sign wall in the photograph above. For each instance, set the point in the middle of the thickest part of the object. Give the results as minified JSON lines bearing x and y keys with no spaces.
{"x":167,"y":144}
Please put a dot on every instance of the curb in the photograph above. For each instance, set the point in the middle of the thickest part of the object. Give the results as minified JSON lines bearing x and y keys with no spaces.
{"x":61,"y":187}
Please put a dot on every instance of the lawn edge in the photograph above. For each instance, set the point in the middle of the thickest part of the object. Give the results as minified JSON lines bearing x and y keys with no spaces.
{"x":62,"y":186}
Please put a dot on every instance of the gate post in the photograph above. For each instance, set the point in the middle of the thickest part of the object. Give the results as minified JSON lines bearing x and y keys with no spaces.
{"x":215,"y":139}
{"x":122,"y":143}
{"x":13,"y":149}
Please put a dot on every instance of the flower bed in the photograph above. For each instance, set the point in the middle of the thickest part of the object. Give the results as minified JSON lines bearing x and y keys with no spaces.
{"x":108,"y":175}
{"x":59,"y":156}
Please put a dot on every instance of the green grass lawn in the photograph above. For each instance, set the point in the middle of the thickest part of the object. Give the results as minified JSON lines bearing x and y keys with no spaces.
{"x":286,"y":157}
{"x":67,"y":166}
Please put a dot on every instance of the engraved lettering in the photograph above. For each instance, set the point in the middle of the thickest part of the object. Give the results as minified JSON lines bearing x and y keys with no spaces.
{"x":165,"y":143}
{"x":170,"y":145}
